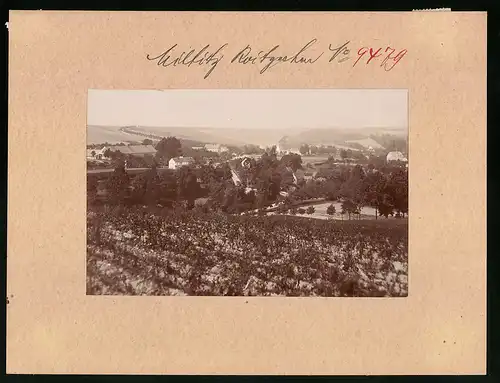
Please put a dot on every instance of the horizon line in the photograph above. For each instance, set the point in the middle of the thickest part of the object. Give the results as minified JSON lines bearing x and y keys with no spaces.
{"x":277,"y":128}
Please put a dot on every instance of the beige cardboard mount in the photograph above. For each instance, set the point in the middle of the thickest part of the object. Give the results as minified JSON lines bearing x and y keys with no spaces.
{"x":53,"y":327}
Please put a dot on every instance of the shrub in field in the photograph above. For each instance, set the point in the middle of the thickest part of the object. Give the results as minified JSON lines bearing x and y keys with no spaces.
{"x":301,"y":210}
{"x":348,"y":207}
{"x":331,"y":210}
{"x":202,"y":209}
{"x":118,"y":185}
{"x":92,"y":184}
{"x":310,"y":210}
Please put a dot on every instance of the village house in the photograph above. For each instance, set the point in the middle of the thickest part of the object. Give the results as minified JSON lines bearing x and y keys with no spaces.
{"x":309,"y":174}
{"x":178,"y":162}
{"x":237,"y":166}
{"x":290,"y":151}
{"x":237,"y":180}
{"x":284,"y":146}
{"x":216,"y":148}
{"x":97,"y":154}
{"x":283,"y":149}
{"x":92,"y":153}
{"x":299,"y":175}
{"x":396,"y":156}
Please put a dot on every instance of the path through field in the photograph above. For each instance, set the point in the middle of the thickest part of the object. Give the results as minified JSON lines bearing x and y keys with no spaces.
{"x":367,"y":213}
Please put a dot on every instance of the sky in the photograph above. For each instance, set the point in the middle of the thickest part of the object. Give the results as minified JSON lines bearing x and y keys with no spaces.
{"x":250,"y":108}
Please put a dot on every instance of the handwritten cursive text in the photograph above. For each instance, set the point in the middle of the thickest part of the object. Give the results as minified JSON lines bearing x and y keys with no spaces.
{"x":200,"y":57}
{"x":270,"y":58}
{"x":209,"y":56}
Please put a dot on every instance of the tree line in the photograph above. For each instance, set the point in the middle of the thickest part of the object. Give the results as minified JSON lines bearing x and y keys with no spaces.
{"x":263,"y":181}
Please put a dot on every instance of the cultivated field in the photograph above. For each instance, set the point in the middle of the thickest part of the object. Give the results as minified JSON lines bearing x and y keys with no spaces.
{"x":140,"y":252}
{"x":111,"y":134}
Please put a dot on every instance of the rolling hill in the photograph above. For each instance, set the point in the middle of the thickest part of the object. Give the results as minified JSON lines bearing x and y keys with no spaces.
{"x":240,"y":137}
{"x":338,"y":136}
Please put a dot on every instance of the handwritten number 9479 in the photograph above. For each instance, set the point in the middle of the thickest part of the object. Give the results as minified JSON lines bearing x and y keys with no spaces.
{"x":388,"y":59}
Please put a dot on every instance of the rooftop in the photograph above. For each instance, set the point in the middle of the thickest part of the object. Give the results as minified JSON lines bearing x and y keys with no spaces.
{"x":396,"y":156}
{"x":182,"y":159}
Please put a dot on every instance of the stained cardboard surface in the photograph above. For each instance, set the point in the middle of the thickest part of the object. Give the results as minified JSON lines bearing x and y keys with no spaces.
{"x":53,"y":327}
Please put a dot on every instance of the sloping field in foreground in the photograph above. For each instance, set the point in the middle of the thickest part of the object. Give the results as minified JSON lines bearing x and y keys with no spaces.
{"x":139,"y":253}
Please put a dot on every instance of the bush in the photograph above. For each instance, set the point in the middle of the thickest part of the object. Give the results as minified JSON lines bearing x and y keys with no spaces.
{"x":282,"y":209}
{"x":331,"y":196}
{"x":310,"y":210}
{"x":301,"y":210}
{"x":203,"y":209}
{"x":331,"y":210}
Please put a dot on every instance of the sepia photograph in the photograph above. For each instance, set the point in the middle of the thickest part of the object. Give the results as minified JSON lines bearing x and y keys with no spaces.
{"x":247,"y":192}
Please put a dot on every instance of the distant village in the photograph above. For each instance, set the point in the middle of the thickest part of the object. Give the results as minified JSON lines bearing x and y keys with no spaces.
{"x":102,"y":155}
{"x":356,"y":175}
{"x":107,"y":153}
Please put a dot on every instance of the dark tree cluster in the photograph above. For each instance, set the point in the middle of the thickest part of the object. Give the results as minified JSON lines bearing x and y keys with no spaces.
{"x":385,"y":190}
{"x":260,"y":183}
{"x":168,"y":148}
{"x":313,"y":150}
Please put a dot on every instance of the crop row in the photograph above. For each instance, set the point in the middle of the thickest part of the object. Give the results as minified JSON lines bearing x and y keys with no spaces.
{"x":207,"y":254}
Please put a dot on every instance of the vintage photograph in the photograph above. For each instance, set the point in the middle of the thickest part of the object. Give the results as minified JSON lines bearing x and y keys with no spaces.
{"x":247,"y":192}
